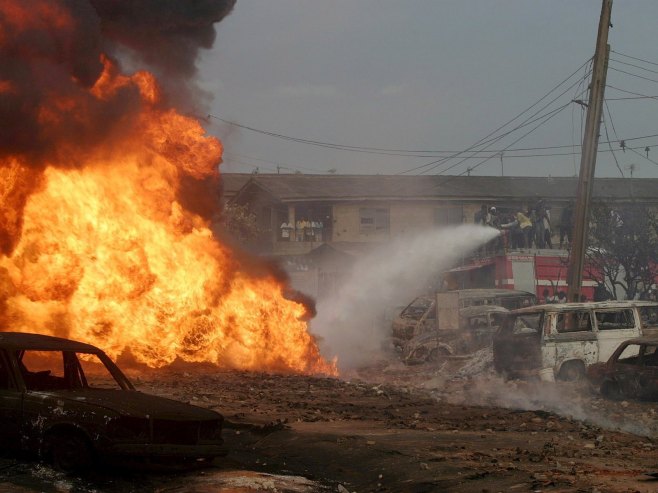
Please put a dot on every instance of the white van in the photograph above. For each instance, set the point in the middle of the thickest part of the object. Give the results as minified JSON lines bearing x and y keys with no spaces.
{"x":564,"y":338}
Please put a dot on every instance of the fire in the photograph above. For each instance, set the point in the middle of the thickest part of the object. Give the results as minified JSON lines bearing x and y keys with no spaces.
{"x":108,"y":253}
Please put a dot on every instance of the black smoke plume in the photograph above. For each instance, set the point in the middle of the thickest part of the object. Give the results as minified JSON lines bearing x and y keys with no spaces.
{"x":51,"y":55}
{"x":53,"y":48}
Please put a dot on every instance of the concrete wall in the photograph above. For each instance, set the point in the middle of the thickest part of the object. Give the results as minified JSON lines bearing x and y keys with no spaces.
{"x":404,"y":218}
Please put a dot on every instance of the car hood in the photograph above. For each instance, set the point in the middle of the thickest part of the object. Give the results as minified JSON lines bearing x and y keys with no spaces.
{"x":133,"y":403}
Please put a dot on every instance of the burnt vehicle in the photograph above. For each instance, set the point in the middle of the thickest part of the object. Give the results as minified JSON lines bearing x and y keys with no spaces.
{"x":477,"y":325}
{"x":67,"y":402}
{"x":423,"y":314}
{"x":631,"y":372}
{"x":562,"y":340}
{"x":649,"y":316}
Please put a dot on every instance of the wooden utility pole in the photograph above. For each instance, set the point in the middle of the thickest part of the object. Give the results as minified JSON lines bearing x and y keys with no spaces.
{"x":588,"y":157}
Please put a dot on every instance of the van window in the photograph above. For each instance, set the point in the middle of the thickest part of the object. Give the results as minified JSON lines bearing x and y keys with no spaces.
{"x":573,"y":321}
{"x":512,"y":303}
{"x":615,"y":319}
{"x":417,"y":308}
{"x":527,"y":323}
{"x":649,"y":316}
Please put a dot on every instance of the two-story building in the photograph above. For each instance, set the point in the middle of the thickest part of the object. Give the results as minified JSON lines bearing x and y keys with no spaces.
{"x":304,"y":217}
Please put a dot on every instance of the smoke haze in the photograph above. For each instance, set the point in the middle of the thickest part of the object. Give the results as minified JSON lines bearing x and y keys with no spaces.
{"x":350,"y":322}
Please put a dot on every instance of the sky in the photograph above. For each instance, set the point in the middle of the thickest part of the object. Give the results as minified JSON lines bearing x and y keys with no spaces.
{"x":430,"y":75}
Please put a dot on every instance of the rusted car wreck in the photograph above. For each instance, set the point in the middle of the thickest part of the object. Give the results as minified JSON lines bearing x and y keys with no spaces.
{"x":68,"y":402}
{"x":562,"y":340}
{"x":430,"y":313}
{"x":631,"y":372}
{"x":477,"y":325}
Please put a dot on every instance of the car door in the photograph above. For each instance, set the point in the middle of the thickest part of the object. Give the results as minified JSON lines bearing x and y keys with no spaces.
{"x":11,"y":405}
{"x":647,"y":379}
{"x":614,"y":326}
{"x":517,"y":345}
{"x":628,"y":369}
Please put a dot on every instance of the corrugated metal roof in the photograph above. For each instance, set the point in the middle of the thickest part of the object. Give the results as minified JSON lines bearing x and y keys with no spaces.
{"x":299,"y":187}
{"x":231,"y":183}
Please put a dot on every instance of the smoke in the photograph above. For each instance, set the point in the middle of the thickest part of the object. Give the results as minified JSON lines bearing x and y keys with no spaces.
{"x":52,"y":52}
{"x":162,"y":35}
{"x":52,"y":49}
{"x":350,"y":322}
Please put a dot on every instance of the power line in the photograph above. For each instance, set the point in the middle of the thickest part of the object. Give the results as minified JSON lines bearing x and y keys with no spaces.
{"x":437,"y":163}
{"x":644,"y":96}
{"x":631,"y":98}
{"x":642,"y":156}
{"x":633,"y":65}
{"x":634,"y":58}
{"x":633,"y":75}
{"x":517,"y":140}
{"x":386,"y":151}
{"x":605,"y":126}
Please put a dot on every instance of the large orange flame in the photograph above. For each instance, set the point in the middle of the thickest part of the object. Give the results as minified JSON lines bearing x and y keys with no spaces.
{"x":108,"y":254}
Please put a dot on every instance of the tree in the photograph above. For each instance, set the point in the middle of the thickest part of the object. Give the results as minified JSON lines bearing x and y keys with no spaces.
{"x":240,"y":223}
{"x":623,"y":249}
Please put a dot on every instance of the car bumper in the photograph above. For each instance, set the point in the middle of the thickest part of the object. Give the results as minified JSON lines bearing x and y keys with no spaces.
{"x":163,"y":450}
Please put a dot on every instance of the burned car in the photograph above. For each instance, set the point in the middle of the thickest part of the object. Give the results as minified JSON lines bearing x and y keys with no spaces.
{"x":477,"y":325}
{"x":631,"y":372}
{"x":426,"y":313}
{"x":67,"y":402}
{"x":562,"y":340}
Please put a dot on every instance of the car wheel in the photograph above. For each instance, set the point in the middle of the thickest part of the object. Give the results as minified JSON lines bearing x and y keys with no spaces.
{"x":611,"y":390}
{"x":69,"y":451}
{"x":438,"y":354}
{"x":573,"y":371}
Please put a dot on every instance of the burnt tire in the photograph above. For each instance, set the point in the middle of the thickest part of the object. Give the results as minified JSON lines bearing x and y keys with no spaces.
{"x":69,"y":451}
{"x":572,"y":371}
{"x":611,"y":390}
{"x":438,"y":354}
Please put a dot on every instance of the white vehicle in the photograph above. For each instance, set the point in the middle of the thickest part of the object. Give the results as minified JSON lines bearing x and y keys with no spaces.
{"x":561,"y":340}
{"x":441,"y":311}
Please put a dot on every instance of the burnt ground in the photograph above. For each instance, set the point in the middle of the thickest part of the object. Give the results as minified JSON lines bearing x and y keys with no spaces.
{"x":393,"y":428}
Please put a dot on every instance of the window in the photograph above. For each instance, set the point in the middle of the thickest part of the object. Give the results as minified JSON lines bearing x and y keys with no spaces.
{"x":615,"y":319}
{"x":5,"y":379}
{"x":64,"y":370}
{"x":576,"y":321}
{"x":630,"y":355}
{"x":524,"y":324}
{"x":373,"y":220}
{"x":650,"y":356}
{"x":446,"y":216}
{"x":649,"y":317}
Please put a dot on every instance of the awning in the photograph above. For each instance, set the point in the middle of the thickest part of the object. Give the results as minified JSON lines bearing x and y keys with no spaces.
{"x":467,"y":268}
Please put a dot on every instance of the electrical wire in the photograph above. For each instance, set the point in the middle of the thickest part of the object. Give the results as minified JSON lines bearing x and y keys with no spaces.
{"x":378,"y":150}
{"x":476,"y":150}
{"x":605,"y":127}
{"x":633,"y":65}
{"x":634,"y":58}
{"x":545,"y":119}
{"x":633,"y":75}
{"x":642,"y":155}
{"x":434,"y":164}
{"x":644,"y":96}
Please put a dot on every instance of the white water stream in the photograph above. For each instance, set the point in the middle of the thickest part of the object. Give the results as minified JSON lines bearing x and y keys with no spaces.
{"x":350,"y":323}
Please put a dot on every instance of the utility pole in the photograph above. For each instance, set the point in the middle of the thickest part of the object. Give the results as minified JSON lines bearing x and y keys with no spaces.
{"x":588,"y":158}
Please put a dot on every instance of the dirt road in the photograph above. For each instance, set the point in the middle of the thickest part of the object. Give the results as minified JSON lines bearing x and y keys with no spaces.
{"x":392,"y":428}
{"x":398,"y":429}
